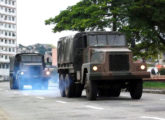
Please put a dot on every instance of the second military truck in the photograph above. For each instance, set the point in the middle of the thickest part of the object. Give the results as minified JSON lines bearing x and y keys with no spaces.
{"x":100,"y":63}
{"x":28,"y":69}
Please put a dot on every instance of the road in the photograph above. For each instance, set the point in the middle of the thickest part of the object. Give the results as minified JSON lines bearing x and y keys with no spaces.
{"x":48,"y":105}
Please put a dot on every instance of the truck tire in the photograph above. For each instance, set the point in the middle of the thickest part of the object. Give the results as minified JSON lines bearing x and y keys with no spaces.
{"x":20,"y":85}
{"x":115,"y":91}
{"x":62,"y":85}
{"x":78,"y":90}
{"x":91,"y":89}
{"x":69,"y":86}
{"x":105,"y":93}
{"x":13,"y":84}
{"x":136,"y":89}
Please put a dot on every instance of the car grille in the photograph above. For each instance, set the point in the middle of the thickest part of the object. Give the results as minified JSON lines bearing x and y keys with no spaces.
{"x":118,"y":62}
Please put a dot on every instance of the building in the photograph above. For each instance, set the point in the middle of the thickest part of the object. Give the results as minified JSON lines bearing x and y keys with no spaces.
{"x":54,"y":57}
{"x":51,"y":57}
{"x":7,"y":35}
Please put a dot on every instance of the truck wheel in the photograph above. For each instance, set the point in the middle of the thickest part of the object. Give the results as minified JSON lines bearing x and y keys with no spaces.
{"x":91,"y":89}
{"x":102,"y":93}
{"x":136,"y":89}
{"x":11,"y":83}
{"x":62,"y":85}
{"x":78,"y":90}
{"x":69,"y":86}
{"x":20,"y":86}
{"x":116,"y":93}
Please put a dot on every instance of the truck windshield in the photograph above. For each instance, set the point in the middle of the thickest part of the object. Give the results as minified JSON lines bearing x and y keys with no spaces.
{"x":106,"y":40}
{"x":97,"y":57}
{"x":32,"y":58}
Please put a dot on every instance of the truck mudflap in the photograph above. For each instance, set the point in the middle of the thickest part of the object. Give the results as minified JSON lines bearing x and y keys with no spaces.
{"x":118,"y":75}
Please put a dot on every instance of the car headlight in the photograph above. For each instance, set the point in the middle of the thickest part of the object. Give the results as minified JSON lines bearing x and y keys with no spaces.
{"x":47,"y":73}
{"x":22,"y":73}
{"x":95,"y":68}
{"x":142,"y":67}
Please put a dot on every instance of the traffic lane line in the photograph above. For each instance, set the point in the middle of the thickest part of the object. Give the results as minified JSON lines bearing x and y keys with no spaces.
{"x":94,"y":107}
{"x":154,"y":118}
{"x":61,"y":102}
{"x":25,"y":94}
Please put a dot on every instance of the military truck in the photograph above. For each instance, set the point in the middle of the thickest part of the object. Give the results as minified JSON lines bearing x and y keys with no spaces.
{"x":28,"y":69}
{"x":100,"y":63}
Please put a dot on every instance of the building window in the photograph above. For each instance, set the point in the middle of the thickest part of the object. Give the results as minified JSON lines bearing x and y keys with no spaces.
{"x":7,"y":66}
{"x":13,"y":50}
{"x":3,"y":66}
{"x":13,"y":3}
{"x":5,"y":33}
{"x":13,"y":35}
{"x":13,"y":18}
{"x":5,"y":17}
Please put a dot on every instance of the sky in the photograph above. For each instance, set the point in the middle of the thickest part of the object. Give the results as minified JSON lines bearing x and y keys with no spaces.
{"x":31,"y":15}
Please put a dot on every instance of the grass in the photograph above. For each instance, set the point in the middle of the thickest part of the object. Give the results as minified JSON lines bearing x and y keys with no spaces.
{"x":154,"y":85}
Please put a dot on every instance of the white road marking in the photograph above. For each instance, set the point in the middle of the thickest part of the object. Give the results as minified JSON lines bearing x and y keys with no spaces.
{"x":42,"y":98}
{"x":154,"y":118}
{"x":61,"y":102}
{"x":93,"y":107}
{"x":25,"y":94}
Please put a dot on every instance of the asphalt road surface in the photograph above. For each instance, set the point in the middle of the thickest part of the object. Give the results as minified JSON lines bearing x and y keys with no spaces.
{"x":48,"y":105}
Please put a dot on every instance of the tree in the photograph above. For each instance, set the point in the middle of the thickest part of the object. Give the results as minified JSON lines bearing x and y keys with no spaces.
{"x":141,"y":20}
{"x":146,"y":26}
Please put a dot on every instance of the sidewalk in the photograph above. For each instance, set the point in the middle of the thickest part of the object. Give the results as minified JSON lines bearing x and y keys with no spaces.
{"x":154,"y":91}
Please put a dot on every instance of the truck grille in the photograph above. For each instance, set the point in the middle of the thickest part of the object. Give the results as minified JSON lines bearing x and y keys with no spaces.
{"x":118,"y":62}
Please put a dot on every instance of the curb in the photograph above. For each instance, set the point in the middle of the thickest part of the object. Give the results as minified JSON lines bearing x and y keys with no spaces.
{"x":154,"y":91}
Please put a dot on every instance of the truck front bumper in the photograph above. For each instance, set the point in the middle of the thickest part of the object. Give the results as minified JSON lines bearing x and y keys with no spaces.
{"x":118,"y":75}
{"x":33,"y":79}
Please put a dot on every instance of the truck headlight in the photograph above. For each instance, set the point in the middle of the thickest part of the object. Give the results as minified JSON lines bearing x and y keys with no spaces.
{"x":95,"y":68}
{"x":22,"y":73}
{"x":142,"y":67}
{"x":47,"y":73}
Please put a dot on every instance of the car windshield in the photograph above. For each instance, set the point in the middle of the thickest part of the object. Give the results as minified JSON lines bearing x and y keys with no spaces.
{"x":32,"y":68}
{"x":97,"y":57}
{"x":31,"y":58}
{"x":106,"y":40}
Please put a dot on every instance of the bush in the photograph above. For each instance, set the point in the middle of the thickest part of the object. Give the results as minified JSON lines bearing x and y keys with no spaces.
{"x":162,"y":71}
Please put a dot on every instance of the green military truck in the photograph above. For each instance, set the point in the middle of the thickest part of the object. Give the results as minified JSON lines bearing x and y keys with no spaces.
{"x":28,"y":69}
{"x":100,"y":63}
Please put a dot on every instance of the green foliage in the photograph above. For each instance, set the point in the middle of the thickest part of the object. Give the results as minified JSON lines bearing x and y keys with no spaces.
{"x":154,"y":85}
{"x":141,"y":20}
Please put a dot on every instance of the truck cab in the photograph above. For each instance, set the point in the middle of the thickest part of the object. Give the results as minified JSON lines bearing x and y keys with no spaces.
{"x":100,"y":63}
{"x":28,"y":69}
